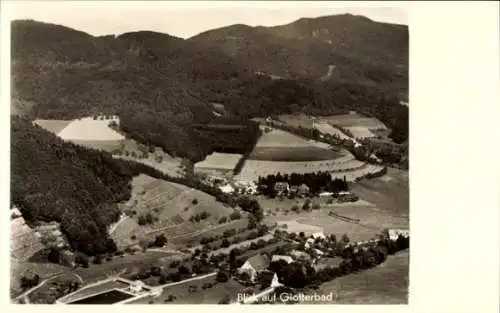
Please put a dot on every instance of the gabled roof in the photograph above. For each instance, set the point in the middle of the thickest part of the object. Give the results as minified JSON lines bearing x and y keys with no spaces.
{"x":286,"y":258}
{"x":259,"y":262}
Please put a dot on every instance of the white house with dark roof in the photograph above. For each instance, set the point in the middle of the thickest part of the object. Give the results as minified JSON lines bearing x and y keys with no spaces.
{"x":254,"y":265}
{"x":288,"y":259}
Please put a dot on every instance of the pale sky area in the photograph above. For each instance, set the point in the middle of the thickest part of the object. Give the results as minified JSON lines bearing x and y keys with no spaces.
{"x":185,"y":19}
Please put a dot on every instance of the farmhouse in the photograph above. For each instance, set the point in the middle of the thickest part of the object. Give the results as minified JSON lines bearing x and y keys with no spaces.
{"x":254,"y":265}
{"x":93,"y":134}
{"x":288,"y":259}
{"x":281,"y":187}
{"x":227,"y":188}
{"x":300,"y":256}
{"x":395,"y":233}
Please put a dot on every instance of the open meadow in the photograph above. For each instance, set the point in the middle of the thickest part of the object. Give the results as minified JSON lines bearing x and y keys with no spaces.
{"x":389,"y":192}
{"x":372,"y":217}
{"x":386,"y":283}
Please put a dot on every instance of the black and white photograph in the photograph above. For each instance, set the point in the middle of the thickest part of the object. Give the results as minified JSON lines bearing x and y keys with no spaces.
{"x":215,"y":165}
{"x":209,"y":154}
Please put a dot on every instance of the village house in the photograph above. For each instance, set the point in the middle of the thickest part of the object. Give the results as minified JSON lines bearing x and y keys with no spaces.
{"x":67,"y":258}
{"x":281,"y":187}
{"x":303,"y":190}
{"x":395,"y":233}
{"x":254,"y":265}
{"x":301,"y":256}
{"x":288,"y":259}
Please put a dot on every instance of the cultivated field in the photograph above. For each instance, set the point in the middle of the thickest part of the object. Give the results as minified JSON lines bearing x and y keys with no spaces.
{"x":352,"y":120}
{"x":53,"y":126}
{"x":293,"y":154}
{"x":279,"y":138}
{"x":385,"y":284}
{"x":173,"y":205}
{"x":89,"y":129}
{"x":279,"y":151}
{"x":372,"y":218}
{"x":344,"y":166}
{"x":360,"y":132}
{"x":389,"y":192}
{"x":219,"y":161}
{"x":86,"y":132}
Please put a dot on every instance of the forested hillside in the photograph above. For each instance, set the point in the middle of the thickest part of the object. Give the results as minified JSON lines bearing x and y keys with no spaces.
{"x":159,"y":85}
{"x":52,"y":180}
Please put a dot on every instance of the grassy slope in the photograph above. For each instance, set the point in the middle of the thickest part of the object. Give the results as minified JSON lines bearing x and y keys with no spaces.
{"x":385,"y":284}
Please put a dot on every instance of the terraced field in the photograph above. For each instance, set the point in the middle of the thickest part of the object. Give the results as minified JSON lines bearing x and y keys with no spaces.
{"x":280,"y":151}
{"x":173,"y":205}
{"x":385,"y":284}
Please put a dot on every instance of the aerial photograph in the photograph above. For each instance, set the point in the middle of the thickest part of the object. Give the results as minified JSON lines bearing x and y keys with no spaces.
{"x":209,"y":155}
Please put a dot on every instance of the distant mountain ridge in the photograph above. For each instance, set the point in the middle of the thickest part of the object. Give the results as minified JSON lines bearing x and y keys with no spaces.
{"x":160,"y":84}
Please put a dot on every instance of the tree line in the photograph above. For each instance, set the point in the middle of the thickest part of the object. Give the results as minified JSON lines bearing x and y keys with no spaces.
{"x":317,"y":182}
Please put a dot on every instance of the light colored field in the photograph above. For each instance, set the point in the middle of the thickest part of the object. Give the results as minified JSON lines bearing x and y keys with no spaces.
{"x":329,"y":129}
{"x":89,"y":129}
{"x":171,"y":167}
{"x":216,"y":160}
{"x":385,"y":284}
{"x":53,"y":126}
{"x":361,"y":132}
{"x":372,"y":219}
{"x":351,"y":120}
{"x":293,"y":226}
{"x":297,"y":120}
{"x":389,"y":192}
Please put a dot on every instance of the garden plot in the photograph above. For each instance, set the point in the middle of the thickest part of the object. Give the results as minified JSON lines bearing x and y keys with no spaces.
{"x":172,"y":207}
{"x":89,"y":129}
{"x":345,"y":165}
{"x":360,"y":132}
